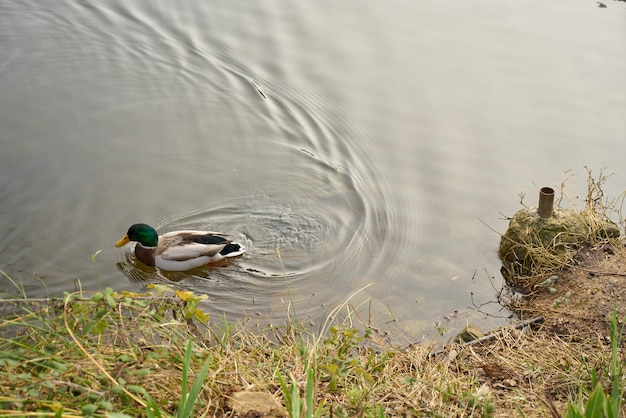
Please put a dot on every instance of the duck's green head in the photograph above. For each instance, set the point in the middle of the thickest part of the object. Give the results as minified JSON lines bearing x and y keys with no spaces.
{"x":142,"y":233}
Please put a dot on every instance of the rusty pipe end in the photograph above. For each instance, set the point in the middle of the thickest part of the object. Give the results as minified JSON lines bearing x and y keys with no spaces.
{"x":546,"y":202}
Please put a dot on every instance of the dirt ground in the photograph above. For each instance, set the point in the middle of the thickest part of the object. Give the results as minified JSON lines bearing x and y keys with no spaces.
{"x":537,"y":374}
{"x":589,"y":291}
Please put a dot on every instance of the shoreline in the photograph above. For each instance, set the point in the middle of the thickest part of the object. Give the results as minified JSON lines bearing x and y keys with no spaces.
{"x":115,"y":352}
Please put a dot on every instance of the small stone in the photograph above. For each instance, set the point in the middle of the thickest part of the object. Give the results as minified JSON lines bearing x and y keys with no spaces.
{"x":452,"y":355}
{"x":256,"y":405}
{"x":470,"y":333}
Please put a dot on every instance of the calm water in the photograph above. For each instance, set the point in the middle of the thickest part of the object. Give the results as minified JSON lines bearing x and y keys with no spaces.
{"x":346,"y":144}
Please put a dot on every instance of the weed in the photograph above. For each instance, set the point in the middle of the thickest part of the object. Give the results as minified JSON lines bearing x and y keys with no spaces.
{"x":188,"y":399}
{"x":600,"y":404}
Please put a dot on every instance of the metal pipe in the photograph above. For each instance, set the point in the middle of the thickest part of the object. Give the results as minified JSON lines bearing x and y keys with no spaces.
{"x":489,"y":337}
{"x":546,"y":202}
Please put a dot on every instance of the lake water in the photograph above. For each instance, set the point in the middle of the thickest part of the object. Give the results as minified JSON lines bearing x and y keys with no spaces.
{"x":349,"y":145}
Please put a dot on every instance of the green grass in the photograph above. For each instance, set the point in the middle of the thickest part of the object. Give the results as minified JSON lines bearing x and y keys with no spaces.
{"x":600,"y":402}
{"x":127,"y":355}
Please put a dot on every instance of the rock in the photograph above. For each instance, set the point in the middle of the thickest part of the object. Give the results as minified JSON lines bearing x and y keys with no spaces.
{"x":256,"y":405}
{"x":469,"y":333}
{"x":531,"y":242}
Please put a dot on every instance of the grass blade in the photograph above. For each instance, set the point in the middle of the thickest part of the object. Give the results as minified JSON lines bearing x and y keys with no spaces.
{"x":188,"y":399}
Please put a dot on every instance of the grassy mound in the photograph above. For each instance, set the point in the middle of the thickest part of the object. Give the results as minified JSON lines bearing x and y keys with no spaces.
{"x":533,"y":245}
{"x":533,"y":248}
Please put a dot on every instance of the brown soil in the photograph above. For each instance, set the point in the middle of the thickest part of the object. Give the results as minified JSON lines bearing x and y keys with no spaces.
{"x":596,"y":284}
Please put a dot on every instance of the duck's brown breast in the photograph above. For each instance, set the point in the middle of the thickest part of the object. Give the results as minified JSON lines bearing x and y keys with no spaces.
{"x":145,"y":255}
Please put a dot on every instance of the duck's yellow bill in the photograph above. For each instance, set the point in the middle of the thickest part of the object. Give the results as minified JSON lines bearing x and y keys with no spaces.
{"x":123,"y":241}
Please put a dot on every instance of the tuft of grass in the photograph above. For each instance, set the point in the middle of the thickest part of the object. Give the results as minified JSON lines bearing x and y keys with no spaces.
{"x":19,"y":286}
{"x":188,"y":399}
{"x":599,"y":402}
{"x":296,"y":405}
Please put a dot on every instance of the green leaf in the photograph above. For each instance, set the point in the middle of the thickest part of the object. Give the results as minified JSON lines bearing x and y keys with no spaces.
{"x":137,"y":389}
{"x":594,"y":407}
{"x":196,"y":388}
{"x":152,"y":408}
{"x":369,"y":379}
{"x":332,"y":369}
{"x":57,"y":365}
{"x":310,"y":391}
{"x":160,"y":288}
{"x":110,"y":301}
{"x":88,"y":409}
{"x":296,"y":402}
{"x":201,"y":316}
{"x":96,"y":297}
{"x":99,"y":327}
{"x":573,"y":412}
{"x":285,"y":389}
{"x":124,"y":358}
{"x":185,"y":408}
{"x":50,"y":349}
{"x":143,"y":372}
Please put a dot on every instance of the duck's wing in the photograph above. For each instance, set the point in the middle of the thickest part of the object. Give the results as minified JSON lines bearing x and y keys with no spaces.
{"x":193,"y":235}
{"x":186,"y":245}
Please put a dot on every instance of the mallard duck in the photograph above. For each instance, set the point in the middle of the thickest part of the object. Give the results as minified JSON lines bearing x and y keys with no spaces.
{"x":179,"y":250}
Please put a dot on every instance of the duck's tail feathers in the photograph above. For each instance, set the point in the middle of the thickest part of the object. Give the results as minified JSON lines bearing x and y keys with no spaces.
{"x":232,"y":250}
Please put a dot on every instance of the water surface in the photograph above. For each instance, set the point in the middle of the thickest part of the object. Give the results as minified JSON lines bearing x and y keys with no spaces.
{"x":349,"y":145}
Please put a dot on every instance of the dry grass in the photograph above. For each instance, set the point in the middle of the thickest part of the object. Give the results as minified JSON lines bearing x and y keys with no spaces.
{"x":93,"y":352}
{"x":98,"y":356}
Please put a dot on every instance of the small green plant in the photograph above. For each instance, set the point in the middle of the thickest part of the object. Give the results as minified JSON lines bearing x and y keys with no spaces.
{"x":296,"y":405}
{"x":561,"y":300}
{"x":548,"y":283}
{"x":441,"y":330}
{"x":600,"y":404}
{"x":18,"y":286}
{"x":95,"y":267}
{"x":188,"y":399}
{"x":191,"y":309}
